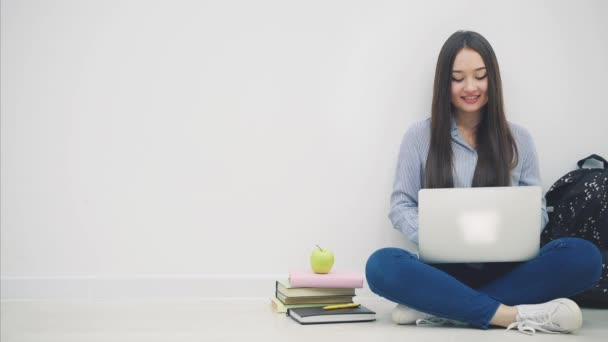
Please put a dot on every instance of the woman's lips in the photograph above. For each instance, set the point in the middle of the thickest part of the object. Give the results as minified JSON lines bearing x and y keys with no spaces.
{"x":470,"y":99}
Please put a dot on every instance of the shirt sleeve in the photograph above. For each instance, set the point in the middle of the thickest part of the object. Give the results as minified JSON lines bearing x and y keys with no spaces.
{"x":530,"y":174}
{"x":408,"y":181}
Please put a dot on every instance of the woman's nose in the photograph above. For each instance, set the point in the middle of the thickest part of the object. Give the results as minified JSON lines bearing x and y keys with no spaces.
{"x":469,"y":85}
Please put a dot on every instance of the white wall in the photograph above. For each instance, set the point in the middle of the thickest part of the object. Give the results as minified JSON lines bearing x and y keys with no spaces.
{"x":223,"y":139}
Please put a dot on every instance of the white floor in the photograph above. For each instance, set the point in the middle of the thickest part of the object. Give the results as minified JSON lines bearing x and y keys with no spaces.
{"x":233,"y":320}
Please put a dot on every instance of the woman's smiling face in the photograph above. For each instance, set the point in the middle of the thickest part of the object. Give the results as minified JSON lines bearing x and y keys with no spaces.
{"x":469,"y":82}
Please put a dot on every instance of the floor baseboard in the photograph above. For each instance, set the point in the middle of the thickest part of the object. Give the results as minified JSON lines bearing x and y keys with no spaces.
{"x":144,"y":287}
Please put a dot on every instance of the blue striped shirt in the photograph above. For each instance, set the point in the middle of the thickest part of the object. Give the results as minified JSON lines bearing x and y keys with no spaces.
{"x":412,"y":161}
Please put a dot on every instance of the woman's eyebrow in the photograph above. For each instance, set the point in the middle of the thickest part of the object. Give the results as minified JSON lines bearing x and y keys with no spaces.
{"x":480,"y":68}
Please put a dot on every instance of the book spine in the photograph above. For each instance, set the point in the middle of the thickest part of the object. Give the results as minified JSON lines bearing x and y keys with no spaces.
{"x":327,"y":283}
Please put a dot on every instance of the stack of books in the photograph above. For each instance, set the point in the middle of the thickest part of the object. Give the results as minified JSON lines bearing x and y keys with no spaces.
{"x":306,"y":289}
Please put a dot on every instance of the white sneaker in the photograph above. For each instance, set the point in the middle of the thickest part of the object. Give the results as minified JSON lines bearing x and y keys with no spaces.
{"x":405,"y":315}
{"x":561,"y":315}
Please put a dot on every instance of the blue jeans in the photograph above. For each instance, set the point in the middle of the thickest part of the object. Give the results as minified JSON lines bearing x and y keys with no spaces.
{"x":473,"y":292}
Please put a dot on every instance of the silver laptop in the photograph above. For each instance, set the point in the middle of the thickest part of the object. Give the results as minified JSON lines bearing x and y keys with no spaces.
{"x":493,"y":224}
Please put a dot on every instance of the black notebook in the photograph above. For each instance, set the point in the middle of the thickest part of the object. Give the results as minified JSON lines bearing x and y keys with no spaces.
{"x":320,"y":315}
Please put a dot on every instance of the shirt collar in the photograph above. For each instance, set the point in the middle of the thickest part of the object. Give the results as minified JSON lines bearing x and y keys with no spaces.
{"x":454,"y":127}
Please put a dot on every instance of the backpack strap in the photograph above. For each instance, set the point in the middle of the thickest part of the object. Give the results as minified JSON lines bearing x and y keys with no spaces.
{"x":593,"y":156}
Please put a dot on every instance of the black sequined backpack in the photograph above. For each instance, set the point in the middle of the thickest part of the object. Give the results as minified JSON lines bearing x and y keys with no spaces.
{"x":578,"y":207}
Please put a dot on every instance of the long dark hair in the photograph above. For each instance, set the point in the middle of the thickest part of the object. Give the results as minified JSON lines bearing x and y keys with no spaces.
{"x":496,"y":149}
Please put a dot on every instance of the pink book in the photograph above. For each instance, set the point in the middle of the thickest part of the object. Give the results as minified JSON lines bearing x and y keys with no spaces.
{"x":333,"y":279}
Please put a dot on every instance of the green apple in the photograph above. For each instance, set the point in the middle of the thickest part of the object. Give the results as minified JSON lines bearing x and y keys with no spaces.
{"x":321,"y":260}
